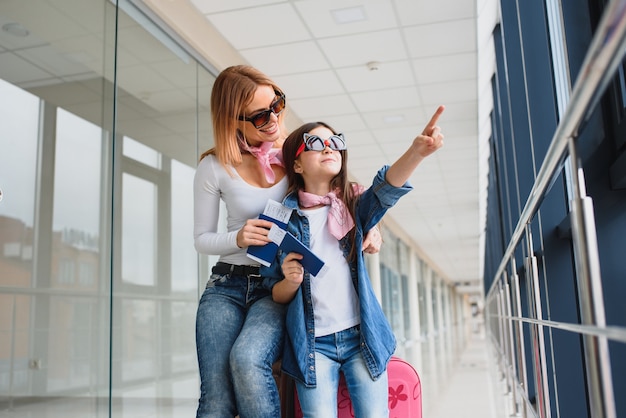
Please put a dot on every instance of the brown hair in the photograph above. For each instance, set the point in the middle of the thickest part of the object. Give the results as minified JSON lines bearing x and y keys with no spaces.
{"x":347,"y":189}
{"x":232,"y":92}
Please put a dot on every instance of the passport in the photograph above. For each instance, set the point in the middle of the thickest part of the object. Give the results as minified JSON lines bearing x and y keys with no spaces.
{"x":290,"y":244}
{"x":279,"y":215}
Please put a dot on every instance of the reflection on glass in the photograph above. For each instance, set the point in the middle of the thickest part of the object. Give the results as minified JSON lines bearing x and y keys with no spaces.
{"x":138,"y":339}
{"x":19,"y":114}
{"x":138,"y":230}
{"x":76,"y":219}
{"x":58,"y":173}
{"x":142,"y":153}
{"x":184,"y":258}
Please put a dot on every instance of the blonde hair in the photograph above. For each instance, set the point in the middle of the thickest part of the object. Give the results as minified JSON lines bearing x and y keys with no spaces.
{"x":232,"y":92}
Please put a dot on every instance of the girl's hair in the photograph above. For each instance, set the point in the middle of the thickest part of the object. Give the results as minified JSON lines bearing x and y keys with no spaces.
{"x":232,"y":92}
{"x":347,"y":189}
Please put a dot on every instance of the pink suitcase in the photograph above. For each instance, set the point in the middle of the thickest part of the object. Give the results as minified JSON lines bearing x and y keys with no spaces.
{"x":405,"y":393}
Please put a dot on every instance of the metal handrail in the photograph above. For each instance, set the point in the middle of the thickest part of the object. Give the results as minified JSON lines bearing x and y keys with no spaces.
{"x":599,"y":67}
{"x":601,"y":62}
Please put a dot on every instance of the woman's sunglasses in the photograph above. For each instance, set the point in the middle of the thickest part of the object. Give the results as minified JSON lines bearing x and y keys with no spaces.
{"x":335,"y":142}
{"x":262,"y":118}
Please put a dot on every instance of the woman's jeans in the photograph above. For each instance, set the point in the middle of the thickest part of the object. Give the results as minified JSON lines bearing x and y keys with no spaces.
{"x":239,"y":335}
{"x":340,"y":352}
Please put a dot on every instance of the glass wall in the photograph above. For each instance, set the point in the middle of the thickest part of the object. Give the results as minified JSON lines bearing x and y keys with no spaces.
{"x":102,"y":115}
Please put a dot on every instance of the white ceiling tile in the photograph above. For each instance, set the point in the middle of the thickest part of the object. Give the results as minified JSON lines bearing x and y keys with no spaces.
{"x":444,"y":68}
{"x":17,"y":70}
{"x":309,"y":84}
{"x":319,"y":107}
{"x":388,"y":75}
{"x":214,"y":6}
{"x":394,"y":118}
{"x":380,"y":100}
{"x":49,"y":59}
{"x":287,"y":59}
{"x":413,"y":12}
{"x":462,"y":111}
{"x":459,"y":128}
{"x":377,"y":46}
{"x":450,"y":92}
{"x":251,"y":28}
{"x":349,"y":124}
{"x":453,"y":37}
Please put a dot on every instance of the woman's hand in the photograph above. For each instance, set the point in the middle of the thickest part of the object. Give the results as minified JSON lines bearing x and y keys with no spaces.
{"x":254,"y":232}
{"x":373,"y":241}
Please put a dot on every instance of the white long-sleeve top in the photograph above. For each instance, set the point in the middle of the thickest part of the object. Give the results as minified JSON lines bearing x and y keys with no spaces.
{"x":242,"y":200}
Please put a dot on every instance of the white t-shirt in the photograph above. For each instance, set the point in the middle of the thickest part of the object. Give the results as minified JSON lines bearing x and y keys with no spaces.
{"x":335,"y":301}
{"x":243,"y":201}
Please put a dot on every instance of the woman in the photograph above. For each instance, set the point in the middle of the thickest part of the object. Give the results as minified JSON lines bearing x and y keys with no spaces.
{"x":239,"y":328}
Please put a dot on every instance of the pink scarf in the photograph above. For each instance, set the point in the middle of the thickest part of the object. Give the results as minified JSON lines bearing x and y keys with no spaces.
{"x":265,"y":155}
{"x":339,"y":219}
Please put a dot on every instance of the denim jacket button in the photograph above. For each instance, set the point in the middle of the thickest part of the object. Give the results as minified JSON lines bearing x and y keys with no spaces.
{"x":311,"y":368}
{"x":311,"y":355}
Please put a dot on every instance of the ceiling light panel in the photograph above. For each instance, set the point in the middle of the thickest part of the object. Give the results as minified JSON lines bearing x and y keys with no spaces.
{"x":320,"y":17}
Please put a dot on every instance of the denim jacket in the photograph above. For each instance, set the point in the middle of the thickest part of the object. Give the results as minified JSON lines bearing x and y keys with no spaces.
{"x":377,"y":339}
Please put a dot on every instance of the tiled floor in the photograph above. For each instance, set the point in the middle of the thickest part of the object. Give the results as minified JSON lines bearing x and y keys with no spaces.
{"x":468,"y":393}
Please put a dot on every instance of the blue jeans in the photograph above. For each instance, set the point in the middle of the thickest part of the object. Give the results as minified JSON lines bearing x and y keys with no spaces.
{"x":341,"y":352}
{"x":239,"y":335}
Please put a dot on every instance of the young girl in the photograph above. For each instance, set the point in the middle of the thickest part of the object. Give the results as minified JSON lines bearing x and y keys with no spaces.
{"x":334,"y":321}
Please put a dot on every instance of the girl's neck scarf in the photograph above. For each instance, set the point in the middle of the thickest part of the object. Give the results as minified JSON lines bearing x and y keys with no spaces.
{"x":339,"y":219}
{"x":266,"y":155}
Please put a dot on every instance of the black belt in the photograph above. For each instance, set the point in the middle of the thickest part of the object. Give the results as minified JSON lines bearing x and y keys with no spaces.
{"x":251,"y":272}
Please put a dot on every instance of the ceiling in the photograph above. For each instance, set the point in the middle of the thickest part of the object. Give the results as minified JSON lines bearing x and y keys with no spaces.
{"x":377,"y":70}
{"x":373,"y":69}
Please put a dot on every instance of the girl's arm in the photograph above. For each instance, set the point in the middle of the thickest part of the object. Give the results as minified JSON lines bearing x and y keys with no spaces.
{"x":285,"y":290}
{"x":423,"y":145}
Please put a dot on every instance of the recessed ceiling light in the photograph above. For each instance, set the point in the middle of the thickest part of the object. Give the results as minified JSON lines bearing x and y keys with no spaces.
{"x":15,"y":29}
{"x":349,"y":15}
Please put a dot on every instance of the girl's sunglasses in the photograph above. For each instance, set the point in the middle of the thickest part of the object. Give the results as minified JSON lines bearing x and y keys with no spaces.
{"x":262,"y":118}
{"x":315,"y":143}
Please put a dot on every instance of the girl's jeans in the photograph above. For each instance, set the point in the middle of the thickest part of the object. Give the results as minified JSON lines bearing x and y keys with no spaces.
{"x":239,"y":334}
{"x":340,"y":352}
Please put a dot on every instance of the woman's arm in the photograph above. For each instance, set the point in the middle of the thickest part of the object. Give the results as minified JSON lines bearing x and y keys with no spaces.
{"x":206,"y":207}
{"x":207,"y":197}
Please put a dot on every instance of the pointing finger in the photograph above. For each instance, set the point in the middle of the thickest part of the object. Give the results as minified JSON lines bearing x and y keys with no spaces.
{"x":433,"y":121}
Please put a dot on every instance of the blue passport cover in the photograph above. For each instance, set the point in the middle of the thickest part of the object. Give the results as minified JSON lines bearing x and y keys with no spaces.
{"x":265,"y":254}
